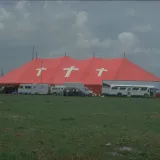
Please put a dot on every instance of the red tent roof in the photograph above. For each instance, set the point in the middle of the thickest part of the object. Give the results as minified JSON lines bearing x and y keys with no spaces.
{"x":67,"y":69}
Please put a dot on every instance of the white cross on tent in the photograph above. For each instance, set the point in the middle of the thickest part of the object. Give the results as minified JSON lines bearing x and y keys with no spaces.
{"x":100,"y":71}
{"x":69,"y":70}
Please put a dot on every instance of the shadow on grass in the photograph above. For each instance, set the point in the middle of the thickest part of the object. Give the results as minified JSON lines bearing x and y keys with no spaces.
{"x":67,"y":119}
{"x":39,"y":156}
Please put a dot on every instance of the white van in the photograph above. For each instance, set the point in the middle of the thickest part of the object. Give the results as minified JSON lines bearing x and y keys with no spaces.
{"x":128,"y":90}
{"x":33,"y":89}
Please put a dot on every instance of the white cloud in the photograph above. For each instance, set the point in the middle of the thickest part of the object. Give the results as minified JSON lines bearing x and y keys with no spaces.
{"x":128,"y":40}
{"x":22,"y":5}
{"x":4,"y":14}
{"x":85,"y":39}
{"x":57,"y":27}
{"x":81,"y":19}
{"x":1,"y":25}
{"x":26,"y":15}
{"x":149,"y":56}
{"x":125,"y":42}
{"x":130,"y":12}
{"x":66,"y":28}
{"x":24,"y":27}
{"x":142,"y":28}
{"x":147,"y":51}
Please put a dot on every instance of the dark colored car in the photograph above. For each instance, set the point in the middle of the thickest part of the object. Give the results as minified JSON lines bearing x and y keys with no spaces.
{"x":72,"y":91}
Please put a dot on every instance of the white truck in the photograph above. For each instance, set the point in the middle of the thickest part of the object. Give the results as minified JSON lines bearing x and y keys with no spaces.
{"x":128,"y":90}
{"x":33,"y":89}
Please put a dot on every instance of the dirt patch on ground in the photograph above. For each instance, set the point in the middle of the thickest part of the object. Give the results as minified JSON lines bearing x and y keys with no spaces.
{"x":19,"y":134}
{"x":22,"y":117}
{"x":7,"y":130}
{"x":16,"y":133}
{"x":155,"y":115}
{"x":16,"y":116}
{"x":125,"y":148}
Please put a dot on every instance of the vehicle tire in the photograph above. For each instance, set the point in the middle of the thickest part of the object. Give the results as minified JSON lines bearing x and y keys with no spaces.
{"x":146,"y":96}
{"x":119,"y":95}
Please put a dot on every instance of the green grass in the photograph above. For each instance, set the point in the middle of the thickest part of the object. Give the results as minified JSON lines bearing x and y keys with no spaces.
{"x":61,"y":128}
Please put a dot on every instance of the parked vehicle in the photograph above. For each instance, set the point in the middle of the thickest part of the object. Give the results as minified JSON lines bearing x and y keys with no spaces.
{"x":33,"y":89}
{"x":128,"y":90}
{"x":73,"y":91}
{"x":2,"y":89}
{"x":79,"y":86}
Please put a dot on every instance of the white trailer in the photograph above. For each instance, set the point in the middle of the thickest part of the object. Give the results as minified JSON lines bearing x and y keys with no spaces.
{"x":33,"y":89}
{"x":128,"y":90}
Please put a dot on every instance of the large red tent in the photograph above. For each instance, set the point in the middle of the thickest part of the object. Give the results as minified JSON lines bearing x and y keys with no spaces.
{"x":90,"y":71}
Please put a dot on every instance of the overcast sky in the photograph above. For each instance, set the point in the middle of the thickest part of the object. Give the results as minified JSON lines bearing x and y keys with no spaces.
{"x":80,"y":28}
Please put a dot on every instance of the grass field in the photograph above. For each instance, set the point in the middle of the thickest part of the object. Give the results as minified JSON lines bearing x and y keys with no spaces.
{"x":61,"y":128}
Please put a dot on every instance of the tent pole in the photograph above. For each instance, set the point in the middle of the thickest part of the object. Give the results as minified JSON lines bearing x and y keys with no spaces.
{"x":41,"y":72}
{"x":33,"y":53}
